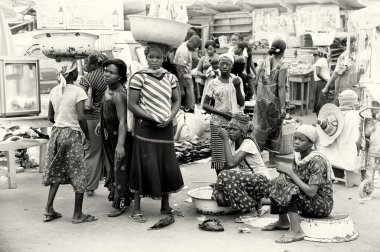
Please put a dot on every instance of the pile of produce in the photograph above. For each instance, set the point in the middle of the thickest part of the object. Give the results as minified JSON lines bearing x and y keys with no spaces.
{"x":16,"y":133}
{"x":260,"y":44}
{"x":296,"y":68}
{"x":188,"y":152}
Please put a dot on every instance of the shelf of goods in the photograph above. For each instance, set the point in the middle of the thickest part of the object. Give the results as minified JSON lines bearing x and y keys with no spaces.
{"x":230,"y":23}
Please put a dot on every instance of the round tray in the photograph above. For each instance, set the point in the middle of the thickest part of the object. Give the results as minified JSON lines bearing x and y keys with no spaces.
{"x":158,"y":30}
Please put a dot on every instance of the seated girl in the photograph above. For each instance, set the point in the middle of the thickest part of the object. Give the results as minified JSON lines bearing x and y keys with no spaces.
{"x":306,"y":188}
{"x":243,"y":182}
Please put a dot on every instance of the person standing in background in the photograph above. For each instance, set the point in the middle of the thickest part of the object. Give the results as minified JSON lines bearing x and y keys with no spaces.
{"x":94,"y":79}
{"x":183,"y":60}
{"x":321,"y":76}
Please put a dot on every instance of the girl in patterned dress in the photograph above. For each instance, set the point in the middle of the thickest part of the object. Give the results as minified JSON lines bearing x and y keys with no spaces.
{"x":306,"y":188}
{"x":65,"y":154}
{"x":243,"y":181}
{"x":228,"y":94}
{"x":154,"y":100}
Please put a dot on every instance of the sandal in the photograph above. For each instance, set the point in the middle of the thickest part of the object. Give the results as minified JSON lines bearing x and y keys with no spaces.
{"x":211,"y":225}
{"x":52,"y":216}
{"x":138,"y":217}
{"x":86,"y":218}
{"x":173,"y":212}
{"x":116,"y":212}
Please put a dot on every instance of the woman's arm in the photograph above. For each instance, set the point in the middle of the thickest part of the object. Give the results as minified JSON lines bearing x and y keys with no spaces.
{"x":82,"y":119}
{"x":239,"y":95}
{"x":318,"y":73}
{"x":51,"y":112}
{"x":121,"y":111}
{"x":176,"y":104}
{"x":210,"y":109}
{"x":282,"y":79}
{"x":200,"y":68}
{"x":134,"y":107}
{"x":331,"y":80}
{"x":309,"y":190}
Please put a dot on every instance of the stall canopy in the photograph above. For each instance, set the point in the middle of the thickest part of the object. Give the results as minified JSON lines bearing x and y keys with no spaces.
{"x":366,"y":18}
{"x":6,"y":41}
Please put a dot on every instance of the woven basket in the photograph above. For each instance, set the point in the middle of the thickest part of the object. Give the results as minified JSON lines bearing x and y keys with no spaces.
{"x":286,"y":145}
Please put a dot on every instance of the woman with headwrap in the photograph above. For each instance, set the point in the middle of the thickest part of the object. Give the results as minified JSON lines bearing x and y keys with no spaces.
{"x":94,"y":79}
{"x":270,"y":105}
{"x":305,"y":188}
{"x":117,"y":141}
{"x":243,"y":181}
{"x":68,"y":140}
{"x":227,"y":92}
{"x":154,"y":100}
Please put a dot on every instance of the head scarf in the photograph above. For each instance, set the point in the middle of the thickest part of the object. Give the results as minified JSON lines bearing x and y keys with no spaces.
{"x":309,"y":131}
{"x":242,"y":121}
{"x":347,"y":100}
{"x":64,"y":67}
{"x":228,"y":56}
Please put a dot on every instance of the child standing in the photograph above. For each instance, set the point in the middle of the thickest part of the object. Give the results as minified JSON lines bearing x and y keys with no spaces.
{"x":65,"y":154}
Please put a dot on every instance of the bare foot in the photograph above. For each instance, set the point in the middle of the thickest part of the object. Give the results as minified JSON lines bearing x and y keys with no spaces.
{"x":277,"y":226}
{"x":291,"y":237}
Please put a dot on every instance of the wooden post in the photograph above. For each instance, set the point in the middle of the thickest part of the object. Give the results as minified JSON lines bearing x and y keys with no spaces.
{"x":302,"y":94}
{"x":10,"y":155}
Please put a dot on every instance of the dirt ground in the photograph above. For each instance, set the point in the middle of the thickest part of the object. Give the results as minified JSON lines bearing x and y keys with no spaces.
{"x":22,"y":229}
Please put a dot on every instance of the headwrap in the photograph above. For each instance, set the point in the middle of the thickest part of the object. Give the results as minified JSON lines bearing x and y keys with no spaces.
{"x":347,"y":100}
{"x":64,"y":66}
{"x":309,"y":131}
{"x":241,"y":120}
{"x":228,"y":56}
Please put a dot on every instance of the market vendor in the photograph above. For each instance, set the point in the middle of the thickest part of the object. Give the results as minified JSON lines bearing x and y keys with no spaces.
{"x":305,"y":189}
{"x":270,"y":105}
{"x":345,"y":75}
{"x":154,"y":100}
{"x":243,"y":181}
{"x":68,"y":140}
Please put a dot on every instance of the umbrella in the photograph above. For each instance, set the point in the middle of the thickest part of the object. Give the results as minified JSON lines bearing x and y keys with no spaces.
{"x":7,"y":47}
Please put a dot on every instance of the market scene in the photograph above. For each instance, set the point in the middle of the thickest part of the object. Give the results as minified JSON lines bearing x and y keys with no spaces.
{"x":189,"y":125}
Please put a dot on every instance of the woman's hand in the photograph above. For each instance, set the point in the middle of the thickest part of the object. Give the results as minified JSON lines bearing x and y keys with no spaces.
{"x":284,"y":170}
{"x":281,"y":179}
{"x":166,"y":123}
{"x":236,"y":82}
{"x":97,"y":129}
{"x":223,"y":134}
{"x":119,"y":152}
{"x":86,"y":144}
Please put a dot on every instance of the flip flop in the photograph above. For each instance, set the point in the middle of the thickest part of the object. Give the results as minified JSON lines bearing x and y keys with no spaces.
{"x":173,"y":212}
{"x":287,"y":239}
{"x":139,"y":217}
{"x":273,"y":227}
{"x":116,"y":212}
{"x":261,"y":212}
{"x":86,"y":218}
{"x":52,"y":216}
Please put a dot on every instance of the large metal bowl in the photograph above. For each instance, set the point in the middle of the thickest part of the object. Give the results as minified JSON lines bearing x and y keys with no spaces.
{"x":66,"y":44}
{"x":158,"y":30}
{"x":202,"y":201}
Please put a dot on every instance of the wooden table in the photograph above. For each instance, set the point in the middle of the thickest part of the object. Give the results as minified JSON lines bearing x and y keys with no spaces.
{"x":304,"y":82}
{"x":11,"y":146}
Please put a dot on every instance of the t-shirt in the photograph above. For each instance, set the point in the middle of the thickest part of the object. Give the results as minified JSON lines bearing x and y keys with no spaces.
{"x":95,"y":79}
{"x":183,"y":57}
{"x":325,"y":72}
{"x":253,"y":158}
{"x":231,"y":50}
{"x":156,"y":93}
{"x":64,"y":105}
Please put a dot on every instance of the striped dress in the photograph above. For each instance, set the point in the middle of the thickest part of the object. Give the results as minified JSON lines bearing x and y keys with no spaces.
{"x":155,"y":169}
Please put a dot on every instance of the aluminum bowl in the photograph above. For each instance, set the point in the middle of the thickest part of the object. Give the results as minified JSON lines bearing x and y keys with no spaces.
{"x":201,"y":198}
{"x":158,"y":30}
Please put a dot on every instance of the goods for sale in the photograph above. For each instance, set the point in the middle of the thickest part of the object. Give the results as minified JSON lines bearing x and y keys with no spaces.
{"x":296,"y":68}
{"x":16,"y":133}
{"x":188,"y":152}
{"x":189,"y":125}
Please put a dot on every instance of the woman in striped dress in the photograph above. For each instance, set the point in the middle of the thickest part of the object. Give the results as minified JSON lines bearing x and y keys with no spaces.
{"x":154,"y":100}
{"x":227,"y":91}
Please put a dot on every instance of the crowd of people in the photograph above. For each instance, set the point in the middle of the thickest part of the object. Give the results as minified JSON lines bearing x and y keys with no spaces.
{"x":141,"y":162}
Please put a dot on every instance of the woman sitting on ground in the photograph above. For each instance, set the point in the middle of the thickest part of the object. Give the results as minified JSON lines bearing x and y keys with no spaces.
{"x":306,"y":188}
{"x":243,"y":182}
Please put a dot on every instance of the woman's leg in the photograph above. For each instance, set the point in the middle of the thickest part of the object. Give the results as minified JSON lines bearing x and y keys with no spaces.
{"x":78,"y":206}
{"x":165,"y":206}
{"x":136,"y":203}
{"x":282,"y":223}
{"x":49,"y":209}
